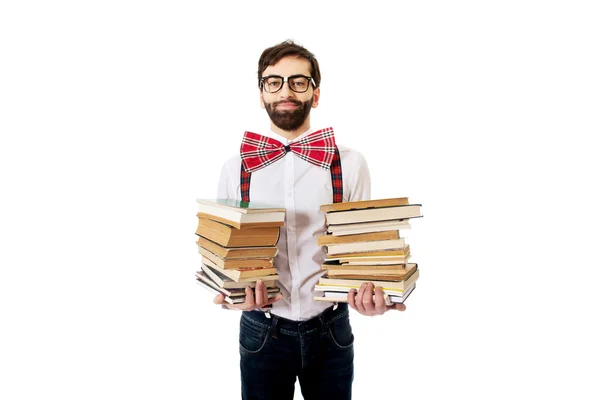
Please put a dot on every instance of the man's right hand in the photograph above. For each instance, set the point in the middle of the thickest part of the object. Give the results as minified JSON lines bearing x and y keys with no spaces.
{"x":253,"y":302}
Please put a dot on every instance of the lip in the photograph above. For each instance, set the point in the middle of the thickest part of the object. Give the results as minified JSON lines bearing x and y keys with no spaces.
{"x":287,"y":105}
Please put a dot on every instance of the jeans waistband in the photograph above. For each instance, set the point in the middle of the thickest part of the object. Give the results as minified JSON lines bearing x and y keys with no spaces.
{"x":290,"y":327}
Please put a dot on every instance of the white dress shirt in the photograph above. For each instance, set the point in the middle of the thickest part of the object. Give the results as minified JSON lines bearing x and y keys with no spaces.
{"x":301,"y":188}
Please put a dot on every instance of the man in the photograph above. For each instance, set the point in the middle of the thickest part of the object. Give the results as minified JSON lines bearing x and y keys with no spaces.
{"x":298,"y":337}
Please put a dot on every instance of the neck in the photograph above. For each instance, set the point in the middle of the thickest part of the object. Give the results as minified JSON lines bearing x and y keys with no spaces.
{"x":291,"y":135}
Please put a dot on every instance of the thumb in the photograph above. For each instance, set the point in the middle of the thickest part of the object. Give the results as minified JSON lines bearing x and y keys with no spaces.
{"x":400,"y":307}
{"x":219,"y":299}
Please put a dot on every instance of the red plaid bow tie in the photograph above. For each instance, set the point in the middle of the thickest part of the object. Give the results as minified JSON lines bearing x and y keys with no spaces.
{"x":258,"y":151}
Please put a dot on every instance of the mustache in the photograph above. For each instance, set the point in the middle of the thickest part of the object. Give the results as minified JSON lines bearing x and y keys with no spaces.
{"x":296,"y":102}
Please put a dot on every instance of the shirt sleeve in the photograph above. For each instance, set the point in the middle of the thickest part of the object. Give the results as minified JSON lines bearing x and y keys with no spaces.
{"x":359,"y":179}
{"x":229,"y":180}
{"x":222,"y":189}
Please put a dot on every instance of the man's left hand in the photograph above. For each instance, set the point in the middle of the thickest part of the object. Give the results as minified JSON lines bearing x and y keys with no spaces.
{"x":366,"y":303}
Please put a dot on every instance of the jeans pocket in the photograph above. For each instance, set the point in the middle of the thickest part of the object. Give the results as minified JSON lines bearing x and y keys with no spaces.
{"x":340,"y":333}
{"x":253,"y":337}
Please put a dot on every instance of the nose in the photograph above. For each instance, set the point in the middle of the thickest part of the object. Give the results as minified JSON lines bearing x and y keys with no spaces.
{"x":285,"y":91}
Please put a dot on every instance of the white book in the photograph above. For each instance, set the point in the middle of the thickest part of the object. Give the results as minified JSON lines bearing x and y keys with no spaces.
{"x":358,"y":247}
{"x":342,"y":297}
{"x":373,"y":214}
{"x":237,"y":213}
{"x":346,"y":289}
{"x":366,"y":227}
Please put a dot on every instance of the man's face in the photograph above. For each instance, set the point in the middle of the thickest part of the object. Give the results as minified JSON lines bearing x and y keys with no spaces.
{"x":287,"y":109}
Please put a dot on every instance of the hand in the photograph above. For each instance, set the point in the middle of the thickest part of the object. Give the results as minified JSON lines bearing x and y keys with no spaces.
{"x":363,"y":302}
{"x":252,"y":302}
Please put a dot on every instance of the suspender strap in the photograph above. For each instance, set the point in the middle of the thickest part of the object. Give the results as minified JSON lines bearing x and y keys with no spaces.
{"x":336,"y":180}
{"x":245,"y":184}
{"x":336,"y":177}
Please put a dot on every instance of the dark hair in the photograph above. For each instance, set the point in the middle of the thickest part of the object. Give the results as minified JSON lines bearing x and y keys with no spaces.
{"x":273,"y":55}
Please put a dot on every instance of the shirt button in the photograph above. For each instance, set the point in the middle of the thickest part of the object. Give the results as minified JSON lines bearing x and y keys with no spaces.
{"x":291,"y":228}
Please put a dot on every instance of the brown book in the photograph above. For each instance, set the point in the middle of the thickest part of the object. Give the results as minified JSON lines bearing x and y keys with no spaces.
{"x":391,"y":252}
{"x":345,"y":283}
{"x":362,"y":204}
{"x":245,"y":275}
{"x":384,"y":272}
{"x":236,"y":252}
{"x":236,"y":263}
{"x":228,"y":236}
{"x":240,"y":214}
{"x":372,"y":260}
{"x":324,"y":240}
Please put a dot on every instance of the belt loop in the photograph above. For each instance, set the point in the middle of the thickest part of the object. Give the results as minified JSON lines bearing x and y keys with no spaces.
{"x":322,"y":320}
{"x":274,"y":328}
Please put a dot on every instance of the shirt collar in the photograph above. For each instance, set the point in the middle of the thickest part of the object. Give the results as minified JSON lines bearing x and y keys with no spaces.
{"x":285,"y":140}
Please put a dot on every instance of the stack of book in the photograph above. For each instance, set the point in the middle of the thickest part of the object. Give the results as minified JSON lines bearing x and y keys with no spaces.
{"x":364,"y":244}
{"x":237,"y":241}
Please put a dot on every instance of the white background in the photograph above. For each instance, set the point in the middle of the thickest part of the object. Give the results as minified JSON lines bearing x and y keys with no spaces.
{"x":116,"y":115}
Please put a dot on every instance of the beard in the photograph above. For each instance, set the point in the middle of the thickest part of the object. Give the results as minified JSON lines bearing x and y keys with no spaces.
{"x":289,"y":120}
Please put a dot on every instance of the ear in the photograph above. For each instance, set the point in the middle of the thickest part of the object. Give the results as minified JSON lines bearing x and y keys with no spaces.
{"x":316,"y":97}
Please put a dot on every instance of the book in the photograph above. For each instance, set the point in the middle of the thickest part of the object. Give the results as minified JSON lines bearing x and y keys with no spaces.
{"x":244,"y":275}
{"x":227,"y":283}
{"x":362,"y":204}
{"x":328,"y":239}
{"x":236,"y":263}
{"x":236,"y":252}
{"x":395,"y":272}
{"x":229,"y":236}
{"x":398,"y":285}
{"x":373,"y":214}
{"x":365,"y":247}
{"x":372,"y":260}
{"x":401,"y":299}
{"x":240,"y":214}
{"x":374,"y":253}
{"x":228,"y":299}
{"x":368,"y":227}
{"x":231,"y":292}
{"x":342,"y":297}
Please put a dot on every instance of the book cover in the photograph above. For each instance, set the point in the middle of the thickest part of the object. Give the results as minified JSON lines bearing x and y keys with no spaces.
{"x":373,"y":214}
{"x":324,"y":240}
{"x":362,"y":204}
{"x":245,"y":207}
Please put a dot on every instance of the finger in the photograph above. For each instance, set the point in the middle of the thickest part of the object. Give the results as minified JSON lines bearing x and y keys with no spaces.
{"x":400,"y":307}
{"x":367,"y":300}
{"x":351,"y":297}
{"x":380,"y":307}
{"x":249,"y":304}
{"x":264,"y":293}
{"x":219,"y":299}
{"x":260,"y":293}
{"x":274,"y":299}
{"x":359,"y":299}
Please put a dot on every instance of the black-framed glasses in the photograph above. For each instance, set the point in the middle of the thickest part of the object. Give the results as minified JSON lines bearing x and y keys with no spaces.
{"x":296,"y":83}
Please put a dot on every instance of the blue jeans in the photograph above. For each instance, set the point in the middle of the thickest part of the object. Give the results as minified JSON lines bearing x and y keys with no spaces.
{"x":274,"y":351}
